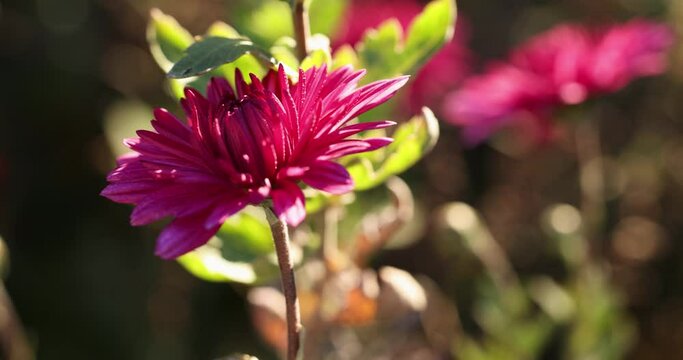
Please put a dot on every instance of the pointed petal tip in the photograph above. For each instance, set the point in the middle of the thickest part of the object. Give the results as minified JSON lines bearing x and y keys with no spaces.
{"x":165,"y":253}
{"x":379,"y":142}
{"x":402,"y":80}
{"x":181,"y":236}
{"x":130,"y":142}
{"x":190,"y":92}
{"x":160,"y":112}
{"x":330,"y":177}
{"x":106,"y":192}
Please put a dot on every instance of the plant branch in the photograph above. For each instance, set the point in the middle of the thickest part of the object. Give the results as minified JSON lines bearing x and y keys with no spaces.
{"x":330,"y":237}
{"x":284,"y":259}
{"x":302,"y":30}
{"x":591,"y":180}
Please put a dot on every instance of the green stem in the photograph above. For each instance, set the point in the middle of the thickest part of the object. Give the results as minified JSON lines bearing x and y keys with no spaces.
{"x":302,"y":31}
{"x":284,"y":259}
{"x":591,"y":181}
{"x":330,"y":236}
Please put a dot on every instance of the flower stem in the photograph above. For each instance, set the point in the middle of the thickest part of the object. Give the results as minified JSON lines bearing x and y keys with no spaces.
{"x":302,"y":30}
{"x":330,"y":237}
{"x":591,"y":181}
{"x":281,"y":239}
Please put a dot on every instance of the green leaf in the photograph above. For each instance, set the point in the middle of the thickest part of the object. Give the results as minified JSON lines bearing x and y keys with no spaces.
{"x":211,"y":52}
{"x":412,"y":140}
{"x":319,"y":52}
{"x":207,"y":264}
{"x":268,"y":22}
{"x":248,"y":63}
{"x":291,"y":3}
{"x":167,"y":39}
{"x":345,"y":55}
{"x":326,"y":15}
{"x":245,"y":238}
{"x":271,"y":20}
{"x":222,"y":29}
{"x":380,"y":52}
{"x":384,"y":53}
{"x":430,"y":31}
{"x":242,"y":251}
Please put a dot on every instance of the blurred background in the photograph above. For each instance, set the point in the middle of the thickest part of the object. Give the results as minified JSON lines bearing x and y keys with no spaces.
{"x":86,"y":284}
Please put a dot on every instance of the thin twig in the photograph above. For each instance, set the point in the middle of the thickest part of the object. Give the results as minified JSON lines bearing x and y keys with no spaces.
{"x":302,"y":30}
{"x":591,"y":180}
{"x":284,"y":259}
{"x":380,"y":231}
{"x":330,"y":237}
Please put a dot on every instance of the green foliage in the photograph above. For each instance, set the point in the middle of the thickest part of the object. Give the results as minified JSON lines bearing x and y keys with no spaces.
{"x":429,"y":32}
{"x":412,"y":141}
{"x":319,"y":52}
{"x":290,"y":2}
{"x":268,"y":22}
{"x":326,"y":15}
{"x":584,"y":309}
{"x":379,"y":53}
{"x":248,"y":64}
{"x":389,"y":50}
{"x":385,"y":54}
{"x":167,"y":39}
{"x":210,"y":53}
{"x":271,"y":20}
{"x":284,"y":51}
{"x":242,"y":251}
{"x":345,"y":55}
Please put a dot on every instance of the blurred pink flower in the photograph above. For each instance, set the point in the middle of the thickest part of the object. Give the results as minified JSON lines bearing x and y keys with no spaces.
{"x":244,"y":147}
{"x":442,"y":73}
{"x":563,"y":66}
{"x":488,"y":101}
{"x":623,"y":53}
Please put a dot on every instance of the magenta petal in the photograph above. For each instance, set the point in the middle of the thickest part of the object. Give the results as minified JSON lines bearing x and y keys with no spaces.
{"x":329,"y":176}
{"x":365,"y":126}
{"x":348,"y":147}
{"x":183,"y":235}
{"x":289,"y":203}
{"x":233,"y":153}
{"x":292,"y":172}
{"x":167,"y":124}
{"x":175,"y":200}
{"x":149,"y":212}
{"x":128,"y":192}
{"x":225,"y":209}
{"x":219,"y":91}
{"x":376,"y":93}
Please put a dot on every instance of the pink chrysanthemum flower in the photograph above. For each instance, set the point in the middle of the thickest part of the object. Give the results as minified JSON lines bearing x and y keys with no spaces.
{"x":442,"y":73}
{"x":564,"y":66}
{"x":244,"y":147}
